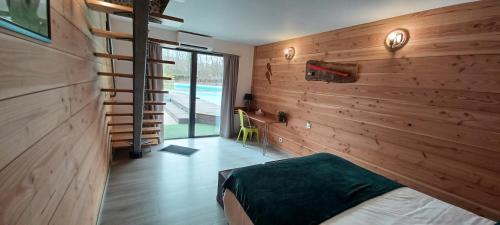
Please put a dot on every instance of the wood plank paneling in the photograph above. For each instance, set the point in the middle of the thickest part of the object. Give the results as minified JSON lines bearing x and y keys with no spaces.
{"x":473,"y":72}
{"x":82,"y":94}
{"x":427,"y":116}
{"x":78,"y":194}
{"x":52,"y":124}
{"x":51,"y":167}
{"x":28,"y":118}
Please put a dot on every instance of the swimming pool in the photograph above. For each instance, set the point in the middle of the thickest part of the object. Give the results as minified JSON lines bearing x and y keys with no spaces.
{"x":210,"y":93}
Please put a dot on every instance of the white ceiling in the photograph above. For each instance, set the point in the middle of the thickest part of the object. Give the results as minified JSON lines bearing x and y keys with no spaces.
{"x":259,"y":22}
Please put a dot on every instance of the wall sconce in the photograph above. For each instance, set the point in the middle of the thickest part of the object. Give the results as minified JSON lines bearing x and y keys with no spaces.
{"x":289,"y":53}
{"x":396,"y":39}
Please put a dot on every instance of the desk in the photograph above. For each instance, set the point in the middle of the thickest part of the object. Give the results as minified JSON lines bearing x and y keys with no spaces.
{"x":265,"y":119}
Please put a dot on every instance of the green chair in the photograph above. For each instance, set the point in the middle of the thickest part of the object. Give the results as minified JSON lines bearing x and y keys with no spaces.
{"x":246,"y":128}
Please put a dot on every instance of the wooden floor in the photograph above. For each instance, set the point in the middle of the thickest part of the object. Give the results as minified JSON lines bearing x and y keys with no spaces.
{"x":166,"y":188}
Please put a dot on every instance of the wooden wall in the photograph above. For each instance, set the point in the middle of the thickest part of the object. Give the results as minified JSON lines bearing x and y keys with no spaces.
{"x":427,"y":115}
{"x":54,"y":151}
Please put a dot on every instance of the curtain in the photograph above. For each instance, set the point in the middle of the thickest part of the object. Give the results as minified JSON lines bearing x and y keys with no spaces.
{"x":231,"y":64}
{"x":154,"y":69}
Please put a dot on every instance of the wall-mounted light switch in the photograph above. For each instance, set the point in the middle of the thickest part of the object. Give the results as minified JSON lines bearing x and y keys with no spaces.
{"x":308,"y":125}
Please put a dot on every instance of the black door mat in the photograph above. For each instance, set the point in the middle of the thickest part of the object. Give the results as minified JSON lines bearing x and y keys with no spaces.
{"x":179,"y":150}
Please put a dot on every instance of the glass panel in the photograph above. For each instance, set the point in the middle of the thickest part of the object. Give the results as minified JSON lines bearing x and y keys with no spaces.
{"x":208,"y":94}
{"x":176,"y":117}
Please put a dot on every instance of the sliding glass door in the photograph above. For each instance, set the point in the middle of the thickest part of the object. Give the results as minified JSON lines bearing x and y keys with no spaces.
{"x":192,"y":112}
{"x":176,"y":115}
{"x":210,"y":69}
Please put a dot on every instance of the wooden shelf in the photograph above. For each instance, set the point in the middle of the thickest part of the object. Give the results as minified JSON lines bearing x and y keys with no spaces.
{"x":158,"y":78}
{"x":111,"y":56}
{"x":146,"y":112}
{"x":107,"y":74}
{"x":130,"y":58}
{"x":154,"y":103}
{"x":160,"y":61}
{"x":120,"y":124}
{"x":131,"y":103}
{"x":165,"y":43}
{"x":124,"y":75}
{"x":150,"y":91}
{"x":111,"y":34}
{"x":107,"y":7}
{"x":111,"y":8}
{"x":119,"y":114}
{"x":153,"y":113}
{"x":152,"y":122}
{"x":127,"y":145}
{"x":129,"y":37}
{"x":148,"y":122}
{"x":126,"y":137}
{"x":145,"y":130}
{"x":165,"y":18}
{"x":117,"y":90}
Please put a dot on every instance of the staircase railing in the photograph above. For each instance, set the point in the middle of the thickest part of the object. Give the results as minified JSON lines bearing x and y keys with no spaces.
{"x":110,"y":51}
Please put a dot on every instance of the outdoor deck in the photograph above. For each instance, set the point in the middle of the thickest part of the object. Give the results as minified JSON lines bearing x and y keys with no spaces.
{"x":178,"y":109}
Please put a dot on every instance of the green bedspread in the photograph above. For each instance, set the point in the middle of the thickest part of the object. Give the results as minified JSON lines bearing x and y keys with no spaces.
{"x":304,"y":191}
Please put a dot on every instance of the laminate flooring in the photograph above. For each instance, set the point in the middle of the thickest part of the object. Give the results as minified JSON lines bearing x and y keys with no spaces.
{"x":166,"y":188}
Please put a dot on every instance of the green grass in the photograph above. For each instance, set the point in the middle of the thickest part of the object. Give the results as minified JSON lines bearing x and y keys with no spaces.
{"x":181,"y":130}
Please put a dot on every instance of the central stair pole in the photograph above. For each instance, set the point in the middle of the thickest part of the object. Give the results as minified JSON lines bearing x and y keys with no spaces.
{"x":140,"y":42}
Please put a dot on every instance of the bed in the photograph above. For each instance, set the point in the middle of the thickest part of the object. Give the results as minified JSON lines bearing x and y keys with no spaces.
{"x":328,"y":190}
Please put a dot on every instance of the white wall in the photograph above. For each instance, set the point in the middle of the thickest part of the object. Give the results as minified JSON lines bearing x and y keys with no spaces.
{"x":119,"y":24}
{"x":246,"y":66}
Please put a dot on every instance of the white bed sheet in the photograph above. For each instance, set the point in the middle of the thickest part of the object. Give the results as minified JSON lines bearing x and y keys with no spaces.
{"x":405,"y":206}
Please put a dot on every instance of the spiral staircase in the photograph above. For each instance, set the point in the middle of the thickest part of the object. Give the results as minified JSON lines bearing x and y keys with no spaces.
{"x":140,"y":131}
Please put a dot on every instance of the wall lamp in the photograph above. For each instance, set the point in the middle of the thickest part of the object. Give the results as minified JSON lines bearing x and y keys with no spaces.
{"x":396,"y":39}
{"x":289,"y":53}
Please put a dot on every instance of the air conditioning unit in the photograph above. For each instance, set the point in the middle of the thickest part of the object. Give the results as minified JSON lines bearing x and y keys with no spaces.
{"x":193,"y":41}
